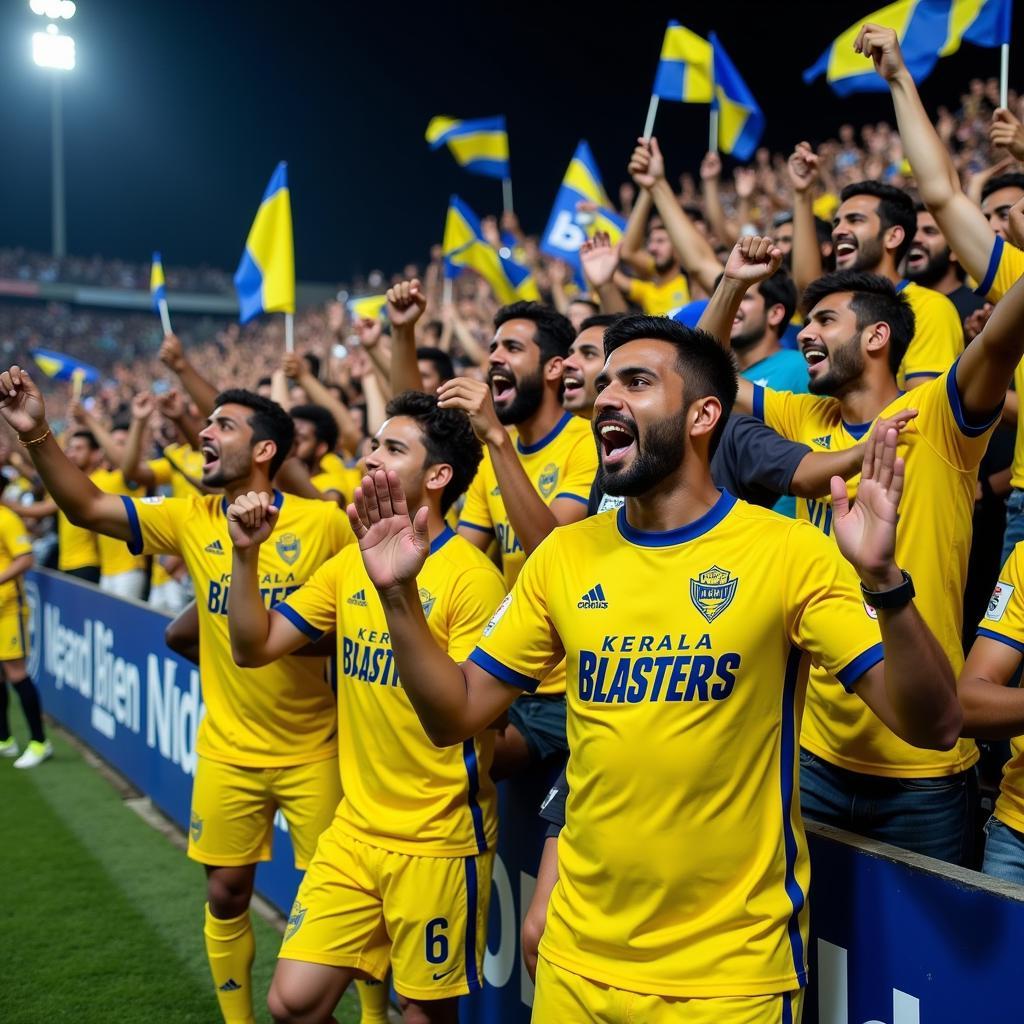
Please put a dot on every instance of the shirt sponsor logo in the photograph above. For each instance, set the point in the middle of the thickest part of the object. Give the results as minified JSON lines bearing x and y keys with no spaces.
{"x":358,"y":599}
{"x":496,"y":617}
{"x":823,"y":442}
{"x":712,"y":592}
{"x":214,"y":548}
{"x":593,"y":599}
{"x":156,"y":499}
{"x":998,"y":601}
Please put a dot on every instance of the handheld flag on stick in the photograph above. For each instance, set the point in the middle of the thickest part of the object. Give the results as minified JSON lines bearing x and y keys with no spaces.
{"x":57,"y":366}
{"x":480,"y":145}
{"x":158,"y":289}
{"x":684,"y":71}
{"x":740,"y":123}
{"x":265,"y":278}
{"x":368,"y":307}
{"x":927,"y":30}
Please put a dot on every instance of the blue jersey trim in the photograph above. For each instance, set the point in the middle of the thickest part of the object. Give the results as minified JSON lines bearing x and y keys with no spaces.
{"x":503,"y":672}
{"x":473,"y":774}
{"x":476,"y":526}
{"x":787,"y":780}
{"x":758,"y":405}
{"x":277,"y":500}
{"x":135,"y":544}
{"x":787,"y":1008}
{"x":993,"y":268}
{"x":298,"y":621}
{"x":866,"y":659}
{"x":993,"y":635}
{"x":531,"y":449}
{"x":441,"y":539}
{"x":903,"y":284}
{"x":953,"y":393}
{"x":930,"y":374}
{"x":574,"y":497}
{"x":857,"y":430}
{"x":472,"y":977}
{"x":666,"y":538}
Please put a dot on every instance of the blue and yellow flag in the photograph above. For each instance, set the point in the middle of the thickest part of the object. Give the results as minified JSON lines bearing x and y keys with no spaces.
{"x":62,"y":367}
{"x":265,"y":278}
{"x":685,"y":68}
{"x":480,"y":145}
{"x":367,"y":307}
{"x":740,"y":121}
{"x":157,"y":283}
{"x":568,"y":226}
{"x":464,"y":245}
{"x":927,"y":30}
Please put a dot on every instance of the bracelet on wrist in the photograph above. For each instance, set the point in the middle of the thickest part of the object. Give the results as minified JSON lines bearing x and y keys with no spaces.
{"x":894,"y":597}
{"x":35,"y":440}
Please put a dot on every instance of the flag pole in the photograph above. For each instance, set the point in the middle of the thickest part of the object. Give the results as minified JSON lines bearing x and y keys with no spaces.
{"x":506,"y":194}
{"x":289,"y":332}
{"x":713,"y":130}
{"x":652,"y":113}
{"x":165,"y":316}
{"x":77,"y":377}
{"x":446,"y":292}
{"x":1004,"y":75}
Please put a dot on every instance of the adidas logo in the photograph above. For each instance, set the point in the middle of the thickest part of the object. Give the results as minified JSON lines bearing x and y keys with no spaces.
{"x":216,"y":548}
{"x":823,"y":442}
{"x":593,"y":598}
{"x":230,"y":986}
{"x":358,"y":598}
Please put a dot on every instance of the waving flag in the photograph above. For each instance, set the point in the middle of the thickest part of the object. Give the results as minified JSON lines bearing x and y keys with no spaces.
{"x":265,"y":279}
{"x":58,"y":366}
{"x":480,"y":145}
{"x":740,"y":121}
{"x":368,"y":307}
{"x":685,"y":69}
{"x":157,"y":283}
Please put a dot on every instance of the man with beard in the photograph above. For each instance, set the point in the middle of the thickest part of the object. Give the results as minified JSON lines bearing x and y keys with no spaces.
{"x":687,"y":620}
{"x":931,"y":263}
{"x":268,"y":740}
{"x":661,"y":285}
{"x":539,"y":463}
{"x":872,"y":231}
{"x":855,"y":772}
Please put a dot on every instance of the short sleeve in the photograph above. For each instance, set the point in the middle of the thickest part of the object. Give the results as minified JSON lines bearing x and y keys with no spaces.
{"x":636,"y":292}
{"x":1004,"y":616}
{"x":161,"y":470}
{"x":476,"y":513}
{"x":519,"y":644}
{"x":313,"y":608}
{"x":580,"y":470}
{"x":825,"y":613}
{"x":938,"y":340}
{"x":155,"y":522}
{"x":339,"y":529}
{"x":1005,"y":268}
{"x":476,"y":594}
{"x":783,"y":411}
{"x":763,"y":461}
{"x":15,"y":536}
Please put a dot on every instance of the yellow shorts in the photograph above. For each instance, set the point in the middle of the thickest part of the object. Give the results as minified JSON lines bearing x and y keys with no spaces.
{"x":562,"y":996}
{"x":13,"y":631}
{"x":363,"y":907}
{"x":233,"y":808}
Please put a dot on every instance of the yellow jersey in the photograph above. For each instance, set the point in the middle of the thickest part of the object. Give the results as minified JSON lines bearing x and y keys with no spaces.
{"x":942,"y":451}
{"x":335,"y":475}
{"x":683,"y":867}
{"x":77,"y":547}
{"x":1004,"y":621}
{"x":115,"y":558}
{"x":938,"y":334}
{"x":14,"y":542}
{"x":401,"y":792}
{"x":561,"y":465}
{"x":283,"y":713}
{"x":170,"y":469}
{"x":659,"y":299}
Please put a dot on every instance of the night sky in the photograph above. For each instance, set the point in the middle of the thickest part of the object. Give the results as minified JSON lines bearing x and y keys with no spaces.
{"x":178,"y":112}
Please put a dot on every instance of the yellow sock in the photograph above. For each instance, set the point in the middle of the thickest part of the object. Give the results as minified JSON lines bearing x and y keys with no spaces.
{"x":373,"y":1001}
{"x":230,"y":948}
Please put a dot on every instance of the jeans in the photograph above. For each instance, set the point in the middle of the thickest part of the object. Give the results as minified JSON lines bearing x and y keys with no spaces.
{"x":934,"y":816}
{"x":1004,"y":852}
{"x":1014,"y":522}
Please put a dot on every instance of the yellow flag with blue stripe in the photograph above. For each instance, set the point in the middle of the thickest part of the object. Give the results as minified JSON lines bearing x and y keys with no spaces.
{"x":157,"y":282}
{"x":367,"y":307}
{"x":685,"y":68}
{"x":740,"y":121}
{"x":479,"y":145}
{"x":265,"y":278}
{"x":927,"y":30}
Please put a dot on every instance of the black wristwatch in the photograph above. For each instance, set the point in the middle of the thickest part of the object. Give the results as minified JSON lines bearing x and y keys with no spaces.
{"x":897,"y":597}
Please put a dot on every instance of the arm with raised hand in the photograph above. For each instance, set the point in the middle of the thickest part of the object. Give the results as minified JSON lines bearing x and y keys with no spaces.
{"x":600,"y":260}
{"x":633,"y":246}
{"x":297,"y":369}
{"x":1006,"y":132}
{"x":803,"y":169}
{"x":406,"y":303}
{"x":371,"y":334}
{"x":131,"y":463}
{"x":200,"y":390}
{"x":171,"y":406}
{"x":21,"y":405}
{"x":78,"y":413}
{"x":710,"y":179}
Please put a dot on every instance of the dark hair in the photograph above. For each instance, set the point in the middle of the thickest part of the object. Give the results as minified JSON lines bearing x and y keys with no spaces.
{"x":554,"y":332}
{"x":434,"y":327}
{"x":694,"y":212}
{"x":823,"y":230}
{"x":581,"y":297}
{"x":782,"y":217}
{"x":264,"y":382}
{"x":875,"y":300}
{"x":269,"y":422}
{"x":779,"y":290}
{"x":600,"y":320}
{"x":706,"y":367}
{"x":895,"y":209}
{"x":441,"y":360}
{"x":325,"y":426}
{"x":121,"y":423}
{"x":1015,"y":180}
{"x":447,"y":436}
{"x":313,"y":362}
{"x":90,"y":438}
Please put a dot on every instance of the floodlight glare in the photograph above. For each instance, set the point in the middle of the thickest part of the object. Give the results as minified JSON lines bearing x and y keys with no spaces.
{"x":52,"y":9}
{"x":67,"y":9}
{"x":37,"y":7}
{"x":52,"y":50}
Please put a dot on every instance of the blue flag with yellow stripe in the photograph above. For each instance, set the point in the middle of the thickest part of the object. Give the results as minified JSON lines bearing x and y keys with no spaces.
{"x":157,"y":282}
{"x":265,"y":278}
{"x":685,"y":68}
{"x":58,"y":366}
{"x":479,"y":145}
{"x":740,"y":121}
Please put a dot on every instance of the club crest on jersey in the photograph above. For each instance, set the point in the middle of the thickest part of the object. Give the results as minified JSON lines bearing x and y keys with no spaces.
{"x":295,"y":919}
{"x":427,"y":599}
{"x":712,"y":591}
{"x":195,"y":827}
{"x":548,"y":480}
{"x":288,"y":547}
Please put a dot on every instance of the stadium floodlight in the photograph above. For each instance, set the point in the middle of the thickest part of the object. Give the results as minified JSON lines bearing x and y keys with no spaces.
{"x":54,"y":9}
{"x":52,"y":50}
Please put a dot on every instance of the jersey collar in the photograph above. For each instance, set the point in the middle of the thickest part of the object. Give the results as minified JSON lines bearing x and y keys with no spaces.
{"x":530,"y":449}
{"x":277,"y":502}
{"x":903,"y":284}
{"x":666,"y":538}
{"x":441,"y":539}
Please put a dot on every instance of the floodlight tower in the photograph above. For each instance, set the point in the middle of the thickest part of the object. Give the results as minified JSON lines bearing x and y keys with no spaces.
{"x":55,"y":51}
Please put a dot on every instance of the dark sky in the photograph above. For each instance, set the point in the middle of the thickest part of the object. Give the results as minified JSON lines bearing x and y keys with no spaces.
{"x":178,"y":111}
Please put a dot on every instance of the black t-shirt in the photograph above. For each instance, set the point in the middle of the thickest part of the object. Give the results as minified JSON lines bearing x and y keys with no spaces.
{"x":752,"y":462}
{"x":553,"y":808}
{"x":966,"y":301}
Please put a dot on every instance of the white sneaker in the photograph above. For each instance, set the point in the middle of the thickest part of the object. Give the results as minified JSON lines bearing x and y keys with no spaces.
{"x":9,"y":747}
{"x":35,"y":753}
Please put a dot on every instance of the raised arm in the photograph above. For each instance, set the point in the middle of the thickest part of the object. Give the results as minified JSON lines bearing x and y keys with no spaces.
{"x":131,"y":463}
{"x":82,"y":501}
{"x":634,"y":239}
{"x":710,"y":179}
{"x":94,"y":425}
{"x":803,"y":169}
{"x":298,"y":370}
{"x":371,"y":336}
{"x":406,"y":303}
{"x":200,"y":390}
{"x":600,"y":260}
